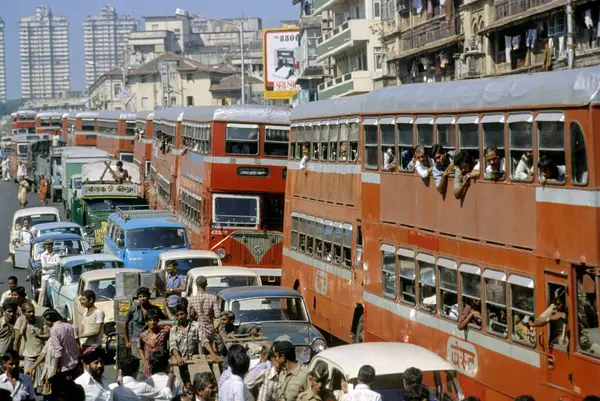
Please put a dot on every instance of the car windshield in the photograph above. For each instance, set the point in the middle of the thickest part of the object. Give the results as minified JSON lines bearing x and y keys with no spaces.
{"x":62,"y":248}
{"x":185,"y":265}
{"x":76,"y":270}
{"x":216,"y":284}
{"x":270,"y":309}
{"x":59,"y":230}
{"x":156,"y":238}
{"x":105,"y":289}
{"x":36,"y":219}
{"x":238,"y":211}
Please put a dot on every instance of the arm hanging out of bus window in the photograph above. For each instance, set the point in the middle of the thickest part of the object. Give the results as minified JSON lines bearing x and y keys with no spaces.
{"x":442,"y":183}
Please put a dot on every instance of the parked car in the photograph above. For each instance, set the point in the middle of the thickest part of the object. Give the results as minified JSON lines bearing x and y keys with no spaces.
{"x":37,"y":215}
{"x":103,"y":283}
{"x":63,"y":290}
{"x":390,"y":360}
{"x":187,"y":259}
{"x":62,"y":227}
{"x":278,"y":311}
{"x":220,"y":278}
{"x":64,"y":244}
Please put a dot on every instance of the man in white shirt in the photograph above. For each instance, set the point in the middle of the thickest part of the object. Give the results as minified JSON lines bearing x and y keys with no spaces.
{"x":25,"y":235}
{"x":23,"y":388}
{"x":389,"y":161}
{"x":49,"y":261}
{"x":130,"y":389}
{"x":495,"y":169}
{"x":21,"y":172}
{"x":234,"y":389}
{"x":422,"y":162}
{"x":5,"y":168}
{"x":362,"y":391}
{"x":90,"y":333}
{"x":443,"y":167}
{"x":234,"y":349}
{"x":159,"y":367}
{"x":12,"y":283}
{"x":524,"y":170}
{"x":551,"y":172}
{"x":92,"y":380}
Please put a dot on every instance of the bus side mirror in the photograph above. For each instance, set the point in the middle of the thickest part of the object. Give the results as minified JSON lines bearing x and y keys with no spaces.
{"x":120,"y":243}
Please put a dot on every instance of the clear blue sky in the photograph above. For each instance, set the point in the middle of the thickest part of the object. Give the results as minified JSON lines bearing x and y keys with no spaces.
{"x":271,"y":12}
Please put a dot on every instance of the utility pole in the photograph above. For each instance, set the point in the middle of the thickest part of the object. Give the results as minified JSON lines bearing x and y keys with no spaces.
{"x":570,"y":47}
{"x":243,"y":61}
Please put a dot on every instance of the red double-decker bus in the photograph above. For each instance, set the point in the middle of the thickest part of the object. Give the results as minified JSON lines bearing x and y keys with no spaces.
{"x":23,"y":122}
{"x":116,"y":133}
{"x":50,"y":122}
{"x":80,"y":128}
{"x":142,"y":148}
{"x":231,"y":183}
{"x":500,"y":275}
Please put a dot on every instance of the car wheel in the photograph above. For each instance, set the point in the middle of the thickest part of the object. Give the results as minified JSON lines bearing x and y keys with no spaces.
{"x":360,"y":331}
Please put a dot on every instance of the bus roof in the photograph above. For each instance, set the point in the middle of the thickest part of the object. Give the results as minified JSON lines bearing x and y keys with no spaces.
{"x":50,"y":114}
{"x":568,"y":87}
{"x":85,"y":114}
{"x":145,"y":115}
{"x":386,"y":358}
{"x":117,"y":115}
{"x":250,"y":113}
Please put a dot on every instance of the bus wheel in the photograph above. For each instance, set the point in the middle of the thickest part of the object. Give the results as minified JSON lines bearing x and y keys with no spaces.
{"x":360,"y":331}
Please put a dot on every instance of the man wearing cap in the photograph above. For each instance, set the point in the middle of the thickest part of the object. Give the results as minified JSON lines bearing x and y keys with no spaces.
{"x":136,"y":318}
{"x":318,"y":390}
{"x":175,"y":285}
{"x":92,"y":380}
{"x":294,"y":378}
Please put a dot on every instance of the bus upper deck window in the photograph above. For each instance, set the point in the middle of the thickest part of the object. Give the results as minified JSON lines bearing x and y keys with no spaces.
{"x":388,"y":149}
{"x":370,"y":137}
{"x":424,"y":126}
{"x":493,"y":138}
{"x":333,"y":140}
{"x":242,"y":139}
{"x":276,"y":141}
{"x":551,"y":147}
{"x":468,"y":136}
{"x":404,"y":124}
{"x":579,"y":168}
{"x":343,"y":154}
{"x":520,"y":130}
{"x":324,"y":148}
{"x":446,"y":132}
{"x":353,"y":136}
{"x":315,"y":135}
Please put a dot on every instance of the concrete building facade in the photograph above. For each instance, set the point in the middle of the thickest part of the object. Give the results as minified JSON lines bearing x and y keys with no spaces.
{"x":2,"y":64}
{"x":44,"y":48}
{"x":105,"y":41}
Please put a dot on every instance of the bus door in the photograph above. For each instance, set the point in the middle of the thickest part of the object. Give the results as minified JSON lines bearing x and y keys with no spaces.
{"x":555,"y":337}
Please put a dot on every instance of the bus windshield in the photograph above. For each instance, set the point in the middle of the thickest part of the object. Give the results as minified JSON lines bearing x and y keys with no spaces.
{"x":156,"y":238}
{"x":235,"y":211}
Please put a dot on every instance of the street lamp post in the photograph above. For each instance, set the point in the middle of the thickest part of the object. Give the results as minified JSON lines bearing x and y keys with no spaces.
{"x":240,"y":28}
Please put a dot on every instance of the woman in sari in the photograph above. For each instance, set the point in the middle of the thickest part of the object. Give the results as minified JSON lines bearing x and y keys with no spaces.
{"x":43,"y":192}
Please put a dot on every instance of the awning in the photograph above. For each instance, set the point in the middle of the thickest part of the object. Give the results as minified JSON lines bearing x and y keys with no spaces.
{"x":370,"y":121}
{"x":424,"y":120}
{"x":493,"y":118}
{"x":404,"y":120}
{"x":423,"y":257}
{"x":445,"y":120}
{"x":494,"y":275}
{"x":447,"y":263}
{"x":468,"y":120}
{"x":521,"y":281}
{"x":560,"y":117}
{"x":520,"y":118}
{"x":407,"y":253}
{"x":387,"y":248}
{"x":468,"y":268}
{"x":387,"y":120}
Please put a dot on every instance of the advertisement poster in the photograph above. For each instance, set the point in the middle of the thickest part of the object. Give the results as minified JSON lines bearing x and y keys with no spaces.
{"x":279,"y":64}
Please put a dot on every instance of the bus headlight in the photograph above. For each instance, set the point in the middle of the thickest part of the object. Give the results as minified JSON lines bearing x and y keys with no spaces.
{"x":221,"y":253}
{"x":318,"y":345}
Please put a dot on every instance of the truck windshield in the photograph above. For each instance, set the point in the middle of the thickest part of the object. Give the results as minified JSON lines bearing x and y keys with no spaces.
{"x":235,"y":211}
{"x":109,"y":205}
{"x":156,"y":238}
{"x":185,"y":265}
{"x":270,"y":309}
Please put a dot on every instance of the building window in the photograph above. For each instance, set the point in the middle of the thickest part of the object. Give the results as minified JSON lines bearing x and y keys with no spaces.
{"x":376,"y":8}
{"x":117,"y":89}
{"x":173,"y":101}
{"x":189,"y":101}
{"x":378,"y":57}
{"x":144,"y":102}
{"x":189,"y":77}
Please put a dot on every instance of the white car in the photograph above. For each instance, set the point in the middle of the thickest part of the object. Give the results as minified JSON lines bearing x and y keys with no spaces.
{"x":37,"y":215}
{"x":220,"y":278}
{"x":390,"y":360}
{"x":187,"y":260}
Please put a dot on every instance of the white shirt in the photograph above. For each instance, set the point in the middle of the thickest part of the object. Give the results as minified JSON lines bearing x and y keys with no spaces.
{"x":361,"y":392}
{"x":133,"y":390}
{"x":25,"y":235}
{"x":421,"y":169}
{"x":22,"y":170}
{"x":159,"y":381}
{"x":94,"y":391}
{"x":7,"y":294}
{"x":49,"y":260}
{"x":23,"y":389}
{"x":5,"y":164}
{"x":523,"y":170}
{"x":387,"y":159}
{"x":304,"y":162}
{"x":502,"y":170}
{"x":87,"y":325}
{"x":235,"y":389}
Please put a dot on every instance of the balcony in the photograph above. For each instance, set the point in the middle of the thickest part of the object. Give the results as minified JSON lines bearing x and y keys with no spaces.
{"x":508,"y":8}
{"x":345,"y":36}
{"x":352,"y":83}
{"x":323,"y":5}
{"x":433,"y":35}
{"x":508,"y":12}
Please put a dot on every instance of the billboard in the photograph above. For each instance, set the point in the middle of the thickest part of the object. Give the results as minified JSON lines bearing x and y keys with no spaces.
{"x":279,"y":63}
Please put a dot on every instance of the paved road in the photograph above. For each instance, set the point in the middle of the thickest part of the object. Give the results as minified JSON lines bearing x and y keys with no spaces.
{"x":8,"y":205}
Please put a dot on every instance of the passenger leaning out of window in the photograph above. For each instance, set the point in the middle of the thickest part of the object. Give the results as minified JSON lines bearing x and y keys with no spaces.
{"x":551,"y":172}
{"x":495,"y":169}
{"x":443,"y":166}
{"x":524,"y":170}
{"x":465,"y":169}
{"x":305,"y":156}
{"x":471,"y":313}
{"x":389,"y":161}
{"x":422,"y":162}
{"x":557,"y":314}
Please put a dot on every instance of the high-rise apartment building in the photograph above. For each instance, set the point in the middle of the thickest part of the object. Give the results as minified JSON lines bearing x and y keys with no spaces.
{"x":44,"y":44}
{"x":2,"y":65}
{"x":105,"y":41}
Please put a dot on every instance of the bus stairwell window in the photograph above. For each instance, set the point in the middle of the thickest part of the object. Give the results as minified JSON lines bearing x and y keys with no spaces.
{"x":448,"y":292}
{"x":588,"y":331}
{"x":407,"y":279}
{"x":495,"y":304}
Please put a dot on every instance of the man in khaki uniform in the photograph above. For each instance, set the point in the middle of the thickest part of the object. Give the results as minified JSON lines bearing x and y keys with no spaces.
{"x":294,"y":377}
{"x":318,"y":391}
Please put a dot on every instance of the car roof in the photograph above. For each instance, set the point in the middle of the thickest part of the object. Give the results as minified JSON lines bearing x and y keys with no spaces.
{"x":385,"y":357}
{"x":106,"y":273}
{"x":257,"y":292}
{"x":179,"y":254}
{"x":145,"y":222}
{"x":55,"y":224}
{"x":29,"y":211}
{"x":57,"y":237}
{"x":221,"y":271}
{"x":94,"y":257}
